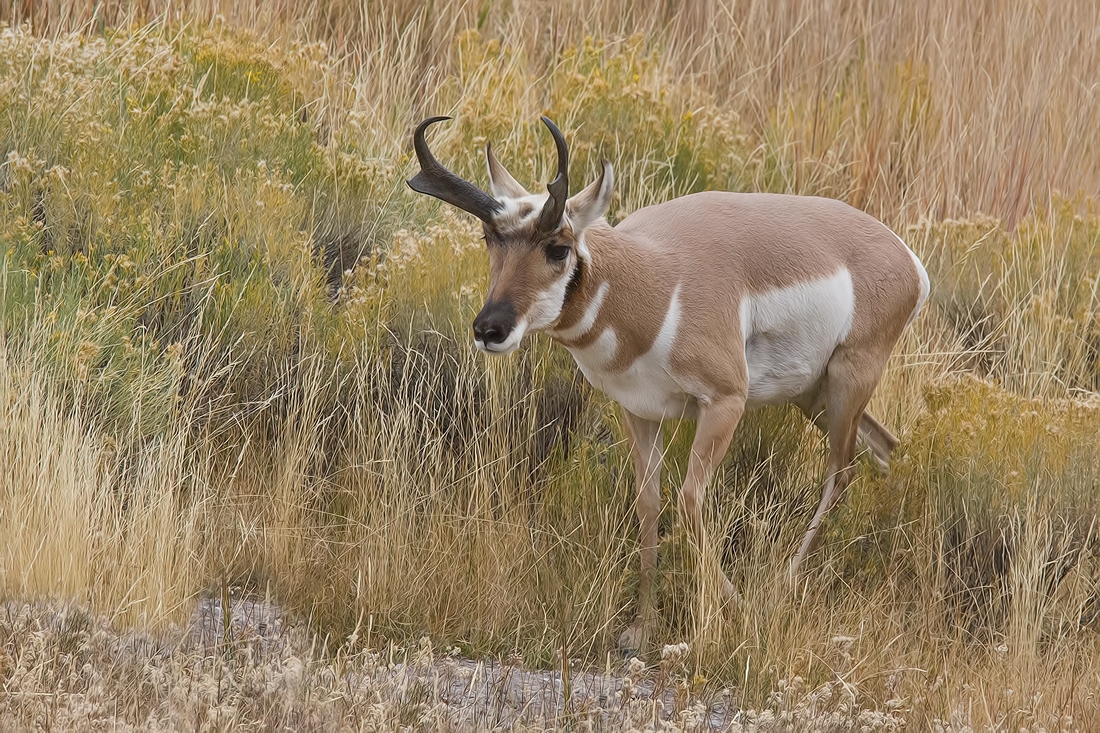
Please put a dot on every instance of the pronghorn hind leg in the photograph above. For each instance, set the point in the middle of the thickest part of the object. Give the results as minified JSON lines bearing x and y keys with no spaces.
{"x":849,"y":388}
{"x":871,"y":434}
{"x":878,"y":440}
{"x":646,"y":447}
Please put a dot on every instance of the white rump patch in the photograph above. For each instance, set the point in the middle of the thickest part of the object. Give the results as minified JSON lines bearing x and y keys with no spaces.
{"x":790,"y":334}
{"x":922,"y":274}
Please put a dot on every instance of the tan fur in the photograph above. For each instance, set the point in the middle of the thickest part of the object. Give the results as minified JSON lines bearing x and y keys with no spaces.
{"x":724,"y":244}
{"x":519,"y":271}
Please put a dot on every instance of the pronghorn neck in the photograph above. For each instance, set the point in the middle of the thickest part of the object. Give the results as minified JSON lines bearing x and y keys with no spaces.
{"x":583,"y":291}
{"x":623,"y":323}
{"x":615,"y":269}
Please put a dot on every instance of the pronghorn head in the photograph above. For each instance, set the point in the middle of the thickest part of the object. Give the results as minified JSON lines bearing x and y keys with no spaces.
{"x":537,"y":252}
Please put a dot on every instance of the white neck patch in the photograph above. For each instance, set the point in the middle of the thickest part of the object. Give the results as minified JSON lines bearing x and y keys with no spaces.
{"x":584,"y":325}
{"x":548,"y":304}
{"x":662,"y":345}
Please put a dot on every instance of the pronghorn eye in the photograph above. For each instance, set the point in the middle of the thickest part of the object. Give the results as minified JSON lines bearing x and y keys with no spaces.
{"x":557,"y":253}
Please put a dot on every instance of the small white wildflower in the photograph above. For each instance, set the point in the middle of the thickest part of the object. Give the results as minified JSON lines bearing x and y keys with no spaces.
{"x":674,"y":653}
{"x":293,"y":670}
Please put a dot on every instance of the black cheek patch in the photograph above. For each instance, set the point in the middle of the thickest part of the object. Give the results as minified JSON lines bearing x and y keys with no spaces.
{"x":574,"y":280}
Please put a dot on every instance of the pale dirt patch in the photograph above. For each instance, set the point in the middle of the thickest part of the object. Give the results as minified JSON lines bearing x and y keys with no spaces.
{"x":64,"y":669}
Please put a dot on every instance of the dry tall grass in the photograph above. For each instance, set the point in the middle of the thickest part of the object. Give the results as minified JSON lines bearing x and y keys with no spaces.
{"x":927,"y":108}
{"x":234,"y":346}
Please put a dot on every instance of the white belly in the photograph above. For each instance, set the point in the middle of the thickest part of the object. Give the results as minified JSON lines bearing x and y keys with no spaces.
{"x":791,"y":333}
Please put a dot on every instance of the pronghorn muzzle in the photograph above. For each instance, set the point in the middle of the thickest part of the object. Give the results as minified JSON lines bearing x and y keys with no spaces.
{"x":494,"y":324}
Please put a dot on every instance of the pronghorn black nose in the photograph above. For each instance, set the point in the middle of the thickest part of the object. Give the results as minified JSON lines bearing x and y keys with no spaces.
{"x":489,"y":334}
{"x":495,"y":322}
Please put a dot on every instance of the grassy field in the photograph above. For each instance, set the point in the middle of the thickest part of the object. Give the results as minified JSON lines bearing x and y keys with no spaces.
{"x":235,"y":352}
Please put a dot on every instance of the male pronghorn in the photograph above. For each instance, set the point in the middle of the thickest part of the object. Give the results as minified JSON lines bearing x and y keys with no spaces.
{"x":699,"y":307}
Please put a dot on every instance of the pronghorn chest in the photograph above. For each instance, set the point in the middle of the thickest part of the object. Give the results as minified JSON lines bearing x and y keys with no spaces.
{"x":647,"y":385}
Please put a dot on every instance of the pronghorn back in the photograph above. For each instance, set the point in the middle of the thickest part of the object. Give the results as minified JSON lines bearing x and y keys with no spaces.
{"x":759,"y":242}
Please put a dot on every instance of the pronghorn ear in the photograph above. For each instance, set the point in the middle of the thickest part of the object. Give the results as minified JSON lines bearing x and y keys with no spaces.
{"x":589,"y":206}
{"x":501,"y":182}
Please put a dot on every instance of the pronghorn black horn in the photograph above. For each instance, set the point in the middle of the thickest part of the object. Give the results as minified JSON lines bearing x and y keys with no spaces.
{"x":435,"y":180}
{"x":554,"y":208}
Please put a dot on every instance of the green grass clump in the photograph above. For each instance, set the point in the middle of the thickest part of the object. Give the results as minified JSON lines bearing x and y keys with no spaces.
{"x":1025,"y":303}
{"x":175,"y":184}
{"x":1002,"y":492}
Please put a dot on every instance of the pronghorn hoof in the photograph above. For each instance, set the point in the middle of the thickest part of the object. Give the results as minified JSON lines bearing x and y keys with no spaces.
{"x":632,"y":642}
{"x":793,"y":574}
{"x":730,"y":592}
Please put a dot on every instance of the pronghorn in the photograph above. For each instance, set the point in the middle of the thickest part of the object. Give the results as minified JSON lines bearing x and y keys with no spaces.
{"x":699,"y":307}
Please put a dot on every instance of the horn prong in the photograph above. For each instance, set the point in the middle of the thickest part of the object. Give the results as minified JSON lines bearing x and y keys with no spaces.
{"x":554,"y":209}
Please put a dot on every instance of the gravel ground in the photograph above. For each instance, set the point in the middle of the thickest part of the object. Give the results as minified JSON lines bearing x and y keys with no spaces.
{"x":486,"y":691}
{"x":64,"y":669}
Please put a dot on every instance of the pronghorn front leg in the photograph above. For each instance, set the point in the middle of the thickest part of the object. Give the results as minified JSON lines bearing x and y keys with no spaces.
{"x":713,"y":433}
{"x":645,"y":439}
